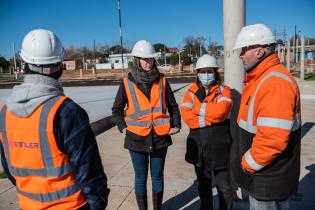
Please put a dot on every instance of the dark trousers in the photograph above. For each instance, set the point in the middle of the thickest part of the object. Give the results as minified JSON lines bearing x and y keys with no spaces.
{"x":140,"y":162}
{"x":222,"y":183}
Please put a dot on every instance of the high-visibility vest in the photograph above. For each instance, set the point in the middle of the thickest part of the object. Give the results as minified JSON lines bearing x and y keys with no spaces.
{"x":215,"y":108}
{"x":43,"y":174}
{"x":142,"y":114}
{"x":269,"y":123}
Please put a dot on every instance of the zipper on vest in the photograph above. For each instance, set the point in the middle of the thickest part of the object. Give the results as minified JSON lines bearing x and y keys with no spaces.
{"x":247,"y":100}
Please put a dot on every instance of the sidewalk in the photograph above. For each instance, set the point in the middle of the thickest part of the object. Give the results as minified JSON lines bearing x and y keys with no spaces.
{"x":180,"y":185}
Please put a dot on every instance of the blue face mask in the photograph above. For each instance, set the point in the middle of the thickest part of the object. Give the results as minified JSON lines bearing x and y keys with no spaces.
{"x":206,"y":79}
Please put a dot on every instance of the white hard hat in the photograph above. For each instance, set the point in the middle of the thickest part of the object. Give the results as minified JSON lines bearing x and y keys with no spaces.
{"x":258,"y":34}
{"x":143,"y":49}
{"x":206,"y":61}
{"x":42,"y":47}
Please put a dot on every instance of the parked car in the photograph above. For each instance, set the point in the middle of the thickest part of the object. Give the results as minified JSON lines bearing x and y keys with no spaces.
{"x":166,"y":67}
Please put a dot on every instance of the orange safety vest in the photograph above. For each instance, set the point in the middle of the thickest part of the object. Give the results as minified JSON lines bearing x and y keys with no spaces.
{"x":214,"y":109}
{"x":43,"y":174}
{"x":142,"y":114}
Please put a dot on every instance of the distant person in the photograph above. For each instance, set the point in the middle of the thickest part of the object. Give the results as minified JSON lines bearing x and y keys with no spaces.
{"x":146,"y":111}
{"x":266,"y":159}
{"x":205,"y":109}
{"x":48,"y":149}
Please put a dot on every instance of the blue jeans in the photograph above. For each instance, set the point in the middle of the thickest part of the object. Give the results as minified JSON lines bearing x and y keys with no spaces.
{"x":268,"y":205}
{"x":140,"y":162}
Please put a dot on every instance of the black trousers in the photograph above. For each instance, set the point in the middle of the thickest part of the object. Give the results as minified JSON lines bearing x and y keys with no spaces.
{"x":222,"y":183}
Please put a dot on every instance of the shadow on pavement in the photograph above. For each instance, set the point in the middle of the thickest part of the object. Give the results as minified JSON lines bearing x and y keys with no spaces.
{"x":306,"y":128}
{"x":185,"y":197}
{"x":304,"y":198}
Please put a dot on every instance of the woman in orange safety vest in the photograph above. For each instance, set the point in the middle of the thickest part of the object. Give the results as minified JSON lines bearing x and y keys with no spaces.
{"x":146,"y":111}
{"x":205,"y":109}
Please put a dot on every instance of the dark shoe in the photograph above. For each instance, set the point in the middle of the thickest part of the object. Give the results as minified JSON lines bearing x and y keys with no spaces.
{"x":157,"y":200}
{"x":142,"y":202}
{"x":206,"y":202}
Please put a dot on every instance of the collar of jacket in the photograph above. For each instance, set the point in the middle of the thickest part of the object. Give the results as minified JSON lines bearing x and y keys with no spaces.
{"x":265,"y":64}
{"x":200,"y":93}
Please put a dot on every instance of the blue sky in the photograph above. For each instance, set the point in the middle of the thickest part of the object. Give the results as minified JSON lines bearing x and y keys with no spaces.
{"x":79,"y":22}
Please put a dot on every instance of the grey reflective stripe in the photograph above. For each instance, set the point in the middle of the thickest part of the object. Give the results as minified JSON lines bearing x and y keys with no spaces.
{"x":187,"y":104}
{"x":52,"y":196}
{"x":250,"y":128}
{"x":275,"y":123}
{"x":4,"y":134}
{"x":138,"y":123}
{"x":249,"y":123}
{"x":43,"y":138}
{"x":158,"y":109}
{"x":221,"y":99}
{"x":161,"y":121}
{"x":221,"y":87}
{"x":139,"y":113}
{"x":251,"y":162}
{"x":192,"y":96}
{"x":46,"y":172}
{"x":133,"y":96}
{"x":202,"y":115}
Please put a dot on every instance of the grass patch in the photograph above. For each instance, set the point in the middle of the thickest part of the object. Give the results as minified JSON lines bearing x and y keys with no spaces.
{"x":307,"y":76}
{"x":2,"y":175}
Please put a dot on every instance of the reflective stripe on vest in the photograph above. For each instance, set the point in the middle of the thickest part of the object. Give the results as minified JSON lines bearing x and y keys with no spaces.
{"x":268,"y":121}
{"x":250,"y":160}
{"x":139,"y":113}
{"x":52,"y":196}
{"x":188,"y":104}
{"x":49,"y":170}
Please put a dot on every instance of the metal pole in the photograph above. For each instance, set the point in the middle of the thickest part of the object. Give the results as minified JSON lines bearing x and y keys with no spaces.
{"x":293,"y":44}
{"x":297,"y":50}
{"x":288,"y":55}
{"x":14,"y":59}
{"x":302,"y":58}
{"x":279,"y":51}
{"x":164,"y":55}
{"x":121,"y":42}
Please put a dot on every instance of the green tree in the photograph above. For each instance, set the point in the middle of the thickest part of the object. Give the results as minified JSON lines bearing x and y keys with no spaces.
{"x":159,"y":47}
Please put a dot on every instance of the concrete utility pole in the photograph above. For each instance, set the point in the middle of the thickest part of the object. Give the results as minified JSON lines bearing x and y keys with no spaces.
{"x":282,"y":54}
{"x":288,"y":56}
{"x":234,"y":20}
{"x":302,"y":58}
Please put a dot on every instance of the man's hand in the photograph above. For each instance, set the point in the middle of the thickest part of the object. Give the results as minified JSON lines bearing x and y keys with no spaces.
{"x":173,"y":131}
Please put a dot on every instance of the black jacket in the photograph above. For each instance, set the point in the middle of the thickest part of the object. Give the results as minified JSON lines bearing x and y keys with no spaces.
{"x":211,"y":144}
{"x":152,"y":142}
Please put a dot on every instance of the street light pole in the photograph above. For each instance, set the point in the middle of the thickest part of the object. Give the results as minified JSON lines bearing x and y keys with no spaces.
{"x":121,"y":42}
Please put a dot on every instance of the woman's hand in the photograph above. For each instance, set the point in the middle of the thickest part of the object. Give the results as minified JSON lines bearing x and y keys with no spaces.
{"x":173,"y":131}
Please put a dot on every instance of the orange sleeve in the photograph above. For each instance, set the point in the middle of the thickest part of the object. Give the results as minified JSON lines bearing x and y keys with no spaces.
{"x":219,"y":111}
{"x":275,"y":108}
{"x":189,"y":117}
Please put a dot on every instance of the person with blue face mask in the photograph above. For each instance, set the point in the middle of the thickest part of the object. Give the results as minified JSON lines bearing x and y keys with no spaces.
{"x":205,"y":110}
